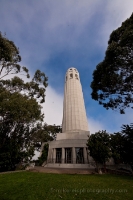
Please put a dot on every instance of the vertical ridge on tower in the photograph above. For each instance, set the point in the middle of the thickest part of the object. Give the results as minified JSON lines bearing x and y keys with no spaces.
{"x":74,"y":113}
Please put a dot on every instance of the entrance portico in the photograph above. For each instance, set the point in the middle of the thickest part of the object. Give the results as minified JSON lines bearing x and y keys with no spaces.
{"x":70,"y":151}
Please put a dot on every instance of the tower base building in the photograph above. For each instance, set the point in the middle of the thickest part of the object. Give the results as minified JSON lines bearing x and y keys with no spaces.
{"x":69,"y":150}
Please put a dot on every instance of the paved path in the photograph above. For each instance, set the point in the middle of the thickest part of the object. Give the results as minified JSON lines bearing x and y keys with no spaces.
{"x":8,"y":172}
{"x":61,"y":170}
{"x":55,"y":170}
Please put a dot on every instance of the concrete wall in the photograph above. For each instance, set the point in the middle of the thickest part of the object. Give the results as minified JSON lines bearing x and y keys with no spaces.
{"x":74,"y":113}
{"x":74,"y":135}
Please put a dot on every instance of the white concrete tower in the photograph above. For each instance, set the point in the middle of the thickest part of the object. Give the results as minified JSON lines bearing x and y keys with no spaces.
{"x":74,"y":113}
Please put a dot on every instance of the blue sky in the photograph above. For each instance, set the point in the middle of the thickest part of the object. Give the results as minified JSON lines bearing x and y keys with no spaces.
{"x":54,"y":35}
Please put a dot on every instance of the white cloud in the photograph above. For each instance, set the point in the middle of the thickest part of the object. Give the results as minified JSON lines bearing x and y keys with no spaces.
{"x":111,"y":121}
{"x":126,"y":118}
{"x":115,"y":11}
{"x":44,"y":28}
{"x":53,"y":110}
{"x":52,"y":25}
{"x":95,"y":125}
{"x":53,"y":107}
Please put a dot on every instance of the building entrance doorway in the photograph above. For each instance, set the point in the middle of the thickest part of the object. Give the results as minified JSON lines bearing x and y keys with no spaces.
{"x":68,"y":155}
{"x":58,"y":155}
{"x":79,"y":155}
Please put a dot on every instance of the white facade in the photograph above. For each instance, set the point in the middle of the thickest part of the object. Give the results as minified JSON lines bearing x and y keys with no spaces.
{"x":74,"y":114}
{"x":69,"y":149}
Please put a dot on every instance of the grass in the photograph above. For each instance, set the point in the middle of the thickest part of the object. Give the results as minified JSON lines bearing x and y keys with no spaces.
{"x":41,"y":186}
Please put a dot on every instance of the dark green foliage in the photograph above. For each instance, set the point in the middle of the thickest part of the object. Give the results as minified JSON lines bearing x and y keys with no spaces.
{"x":99,"y":147}
{"x":16,"y":107}
{"x":32,"y":89}
{"x":127,"y":134}
{"x":112,"y":83}
{"x":44,"y":155}
{"x":15,"y":146}
{"x":20,"y":111}
{"x":9,"y":58}
{"x":117,"y":147}
{"x":18,"y":115}
{"x":122,"y":145}
{"x":44,"y":133}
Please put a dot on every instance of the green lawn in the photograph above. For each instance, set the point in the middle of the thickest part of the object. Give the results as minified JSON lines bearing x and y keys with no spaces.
{"x":41,"y":186}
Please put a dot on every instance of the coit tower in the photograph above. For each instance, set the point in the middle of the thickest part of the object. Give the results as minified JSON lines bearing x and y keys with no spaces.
{"x":69,"y":149}
{"x":74,"y":113}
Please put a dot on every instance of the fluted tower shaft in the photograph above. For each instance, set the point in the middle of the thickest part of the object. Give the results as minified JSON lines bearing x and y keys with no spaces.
{"x":74,"y":113}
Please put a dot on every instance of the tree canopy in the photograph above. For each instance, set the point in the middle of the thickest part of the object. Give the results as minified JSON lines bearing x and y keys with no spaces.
{"x":20,"y":107}
{"x":122,"y":145}
{"x":99,"y":147}
{"x":9,"y":58}
{"x":45,"y":132}
{"x":127,"y":154}
{"x":112,"y":83}
{"x":118,"y":146}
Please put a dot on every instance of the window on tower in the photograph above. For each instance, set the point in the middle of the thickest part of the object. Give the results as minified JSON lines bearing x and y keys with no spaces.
{"x":76,"y":76}
{"x":71,"y":75}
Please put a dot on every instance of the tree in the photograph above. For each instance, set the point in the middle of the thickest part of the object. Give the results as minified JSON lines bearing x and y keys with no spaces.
{"x":127,"y":154}
{"x":20,"y":109}
{"x":16,"y":147}
{"x":9,"y":58}
{"x":44,"y":155}
{"x":44,"y":133}
{"x":117,"y":147}
{"x":122,"y":145}
{"x":112,"y":83}
{"x":99,"y":147}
